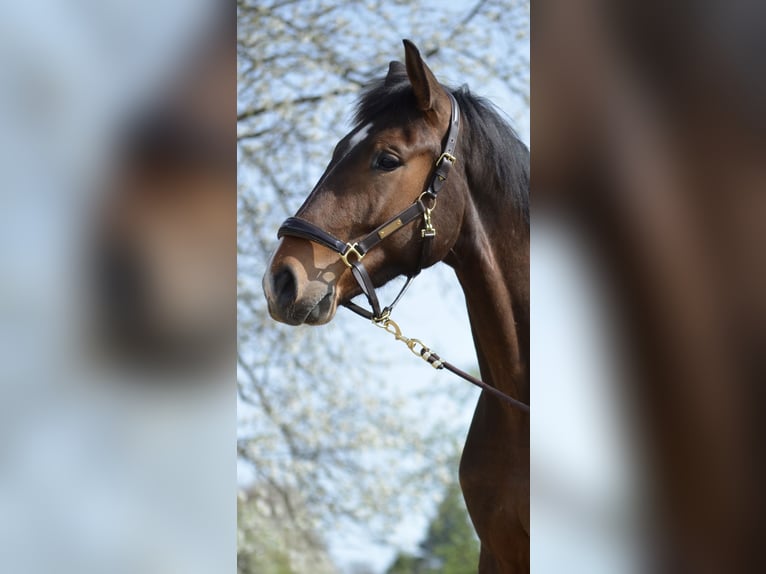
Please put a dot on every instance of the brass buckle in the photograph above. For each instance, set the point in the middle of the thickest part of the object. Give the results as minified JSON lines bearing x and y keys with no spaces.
{"x":351,"y":249}
{"x":444,"y":156}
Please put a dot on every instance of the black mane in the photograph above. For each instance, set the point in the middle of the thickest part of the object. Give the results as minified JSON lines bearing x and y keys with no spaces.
{"x":494,"y":156}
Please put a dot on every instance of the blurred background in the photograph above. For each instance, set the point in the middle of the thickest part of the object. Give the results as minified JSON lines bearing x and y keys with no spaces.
{"x":348,"y":452}
{"x":648,"y":279}
{"x":117,"y":264}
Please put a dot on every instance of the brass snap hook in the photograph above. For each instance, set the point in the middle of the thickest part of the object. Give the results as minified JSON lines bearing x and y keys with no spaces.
{"x":429,"y":230}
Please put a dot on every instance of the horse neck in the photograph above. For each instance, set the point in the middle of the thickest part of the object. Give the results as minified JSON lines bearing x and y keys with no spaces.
{"x":491,"y":261}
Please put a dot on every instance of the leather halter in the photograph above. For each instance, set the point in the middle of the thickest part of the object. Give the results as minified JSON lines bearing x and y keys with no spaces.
{"x":352,"y":254}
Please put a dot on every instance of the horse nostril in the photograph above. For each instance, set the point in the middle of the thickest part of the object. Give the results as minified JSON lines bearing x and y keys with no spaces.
{"x":285,"y":287}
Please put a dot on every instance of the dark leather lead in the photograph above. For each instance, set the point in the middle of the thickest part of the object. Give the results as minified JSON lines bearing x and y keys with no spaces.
{"x":434,"y":359}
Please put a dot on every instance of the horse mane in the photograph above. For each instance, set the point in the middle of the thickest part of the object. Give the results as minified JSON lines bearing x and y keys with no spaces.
{"x":494,"y":157}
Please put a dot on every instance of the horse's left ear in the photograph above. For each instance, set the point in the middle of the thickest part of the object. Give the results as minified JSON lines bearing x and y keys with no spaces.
{"x":428,"y":91}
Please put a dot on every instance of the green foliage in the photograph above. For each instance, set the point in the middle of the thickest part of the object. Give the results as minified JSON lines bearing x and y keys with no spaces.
{"x":272,"y":561}
{"x":406,"y":564}
{"x":450,"y":546}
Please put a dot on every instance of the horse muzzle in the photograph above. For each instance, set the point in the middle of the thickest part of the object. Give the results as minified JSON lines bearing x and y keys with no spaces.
{"x":295,"y":299}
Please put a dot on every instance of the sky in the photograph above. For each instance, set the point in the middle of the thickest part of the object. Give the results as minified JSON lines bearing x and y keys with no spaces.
{"x":94,"y":476}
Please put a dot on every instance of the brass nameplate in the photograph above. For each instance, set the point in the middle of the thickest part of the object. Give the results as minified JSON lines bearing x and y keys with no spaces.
{"x":390,"y":228}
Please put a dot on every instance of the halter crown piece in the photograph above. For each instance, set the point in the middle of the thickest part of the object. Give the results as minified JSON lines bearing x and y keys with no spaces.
{"x":352,"y":255}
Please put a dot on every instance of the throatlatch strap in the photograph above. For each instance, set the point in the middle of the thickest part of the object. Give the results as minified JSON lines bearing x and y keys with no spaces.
{"x":363,"y":278}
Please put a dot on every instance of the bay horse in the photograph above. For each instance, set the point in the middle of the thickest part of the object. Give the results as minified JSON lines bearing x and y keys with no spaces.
{"x":410,"y":133}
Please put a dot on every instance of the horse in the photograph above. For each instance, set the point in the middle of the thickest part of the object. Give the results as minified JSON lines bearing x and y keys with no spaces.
{"x":415,"y":138}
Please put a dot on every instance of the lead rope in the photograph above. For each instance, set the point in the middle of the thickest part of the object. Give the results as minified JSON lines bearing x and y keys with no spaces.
{"x":419,"y":349}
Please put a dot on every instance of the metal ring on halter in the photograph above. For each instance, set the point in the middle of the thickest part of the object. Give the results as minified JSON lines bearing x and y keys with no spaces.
{"x":351,"y":249}
{"x":427,"y":194}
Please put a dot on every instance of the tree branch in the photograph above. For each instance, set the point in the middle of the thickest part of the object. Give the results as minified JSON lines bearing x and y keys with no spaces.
{"x":252,"y":112}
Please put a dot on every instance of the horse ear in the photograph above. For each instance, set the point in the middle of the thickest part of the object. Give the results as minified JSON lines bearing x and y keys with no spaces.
{"x":396,"y":71}
{"x":427,"y":88}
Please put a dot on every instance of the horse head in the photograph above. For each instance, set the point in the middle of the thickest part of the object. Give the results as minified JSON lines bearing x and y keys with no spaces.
{"x":384,"y":165}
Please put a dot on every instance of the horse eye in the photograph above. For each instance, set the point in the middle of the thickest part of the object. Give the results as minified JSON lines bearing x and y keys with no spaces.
{"x":387,"y":162}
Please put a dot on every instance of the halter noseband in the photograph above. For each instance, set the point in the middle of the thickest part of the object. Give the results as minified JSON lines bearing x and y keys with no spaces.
{"x":352,"y":253}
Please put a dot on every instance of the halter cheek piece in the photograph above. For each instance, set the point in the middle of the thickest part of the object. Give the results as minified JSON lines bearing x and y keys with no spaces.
{"x":352,"y":254}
